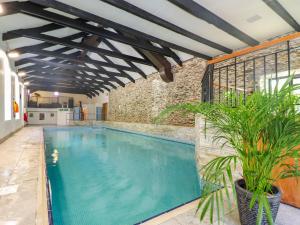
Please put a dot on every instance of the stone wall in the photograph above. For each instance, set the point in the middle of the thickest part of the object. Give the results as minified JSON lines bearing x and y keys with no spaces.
{"x":206,"y":149}
{"x":178,"y":133}
{"x":260,"y":77}
{"x":142,"y":101}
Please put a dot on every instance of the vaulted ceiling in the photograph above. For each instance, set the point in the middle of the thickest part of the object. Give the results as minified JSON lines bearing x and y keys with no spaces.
{"x":94,"y":46}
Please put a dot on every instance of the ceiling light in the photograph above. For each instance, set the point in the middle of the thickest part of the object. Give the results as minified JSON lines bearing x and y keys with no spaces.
{"x":26,"y":83}
{"x":56,"y":93}
{"x":13,"y":54}
{"x":21,"y":74}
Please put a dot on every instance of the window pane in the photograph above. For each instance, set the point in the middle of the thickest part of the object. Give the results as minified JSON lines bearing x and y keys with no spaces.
{"x":42,"y":116}
{"x":17,"y":95}
{"x":5,"y":68}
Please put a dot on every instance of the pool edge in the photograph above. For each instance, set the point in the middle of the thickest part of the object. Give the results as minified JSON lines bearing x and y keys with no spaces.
{"x":168,"y":138}
{"x":42,"y":213}
{"x":147,"y":134}
{"x":46,"y":182}
{"x":171,"y":213}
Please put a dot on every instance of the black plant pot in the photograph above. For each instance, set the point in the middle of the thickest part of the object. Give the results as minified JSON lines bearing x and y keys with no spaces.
{"x":248,"y":216}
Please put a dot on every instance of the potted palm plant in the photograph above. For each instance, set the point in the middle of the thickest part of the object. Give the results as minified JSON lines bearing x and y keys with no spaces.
{"x":264,"y":131}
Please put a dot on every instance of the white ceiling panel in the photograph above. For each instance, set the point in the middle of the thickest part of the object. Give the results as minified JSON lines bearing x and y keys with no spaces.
{"x":114,"y":14}
{"x":20,"y":42}
{"x":54,"y":47}
{"x":63,"y":32}
{"x":173,"y":14}
{"x":19,"y":21}
{"x":238,"y":12}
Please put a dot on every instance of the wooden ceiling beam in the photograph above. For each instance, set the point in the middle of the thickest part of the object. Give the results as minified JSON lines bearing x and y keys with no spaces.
{"x":59,"y":78}
{"x":72,"y":85}
{"x":201,"y":12}
{"x":49,"y":71}
{"x":108,"y":23}
{"x":255,"y":48}
{"x":283,"y":13}
{"x":99,"y":70}
{"x":163,"y":65}
{"x":126,"y":75}
{"x":77,"y":60}
{"x":61,"y":41}
{"x":35,"y":10}
{"x":40,"y":69}
{"x":53,"y":88}
{"x":44,"y":45}
{"x":160,"y":63}
{"x":174,"y":56}
{"x":95,"y":41}
{"x":62,"y":83}
{"x":132,"y":65}
{"x":126,"y":6}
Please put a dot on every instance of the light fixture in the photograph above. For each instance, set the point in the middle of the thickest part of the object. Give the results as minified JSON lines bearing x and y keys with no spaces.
{"x":1,"y":9}
{"x":21,"y":74}
{"x":56,"y":93}
{"x":26,"y":83}
{"x":13,"y":54}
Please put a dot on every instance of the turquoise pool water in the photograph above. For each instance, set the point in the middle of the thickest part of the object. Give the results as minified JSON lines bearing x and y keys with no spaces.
{"x":107,"y":177}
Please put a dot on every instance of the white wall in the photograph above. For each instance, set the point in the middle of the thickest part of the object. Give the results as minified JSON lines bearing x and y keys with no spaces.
{"x":9,"y":126}
{"x":34,"y":116}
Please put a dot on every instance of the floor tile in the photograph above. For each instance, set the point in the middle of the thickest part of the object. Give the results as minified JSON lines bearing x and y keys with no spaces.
{"x":8,"y":190}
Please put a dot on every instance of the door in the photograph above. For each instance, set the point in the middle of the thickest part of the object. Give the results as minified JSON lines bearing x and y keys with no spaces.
{"x":98,"y":113}
{"x":104,"y":111}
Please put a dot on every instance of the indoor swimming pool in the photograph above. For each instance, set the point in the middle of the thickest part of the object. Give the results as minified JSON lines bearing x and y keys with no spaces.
{"x":102,"y":176}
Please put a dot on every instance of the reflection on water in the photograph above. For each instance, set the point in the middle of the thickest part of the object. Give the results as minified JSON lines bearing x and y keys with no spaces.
{"x":55,"y":156}
{"x":106,"y":177}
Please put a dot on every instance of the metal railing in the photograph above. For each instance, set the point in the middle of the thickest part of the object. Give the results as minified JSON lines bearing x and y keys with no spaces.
{"x":88,"y":118}
{"x":262,"y":72}
{"x":50,"y":102}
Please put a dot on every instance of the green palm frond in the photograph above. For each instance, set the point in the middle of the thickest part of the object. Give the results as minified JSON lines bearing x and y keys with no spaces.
{"x":264,"y":131}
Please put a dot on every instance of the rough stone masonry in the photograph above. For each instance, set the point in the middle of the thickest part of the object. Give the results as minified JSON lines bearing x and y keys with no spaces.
{"x":140,"y":102}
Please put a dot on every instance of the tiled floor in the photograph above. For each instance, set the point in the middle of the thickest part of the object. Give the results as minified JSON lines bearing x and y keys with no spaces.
{"x":19,"y":161}
{"x":287,"y":215}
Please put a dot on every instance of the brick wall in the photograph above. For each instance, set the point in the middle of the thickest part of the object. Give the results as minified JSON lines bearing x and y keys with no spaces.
{"x":143,"y":100}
